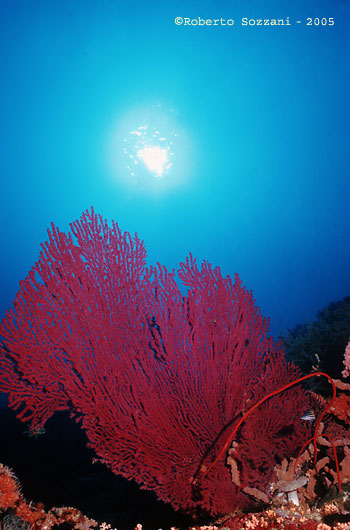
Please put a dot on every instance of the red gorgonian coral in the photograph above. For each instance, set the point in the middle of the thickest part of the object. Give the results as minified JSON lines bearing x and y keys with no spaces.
{"x":156,"y":378}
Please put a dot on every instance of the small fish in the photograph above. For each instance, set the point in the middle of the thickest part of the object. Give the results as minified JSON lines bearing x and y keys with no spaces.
{"x":309,"y":415}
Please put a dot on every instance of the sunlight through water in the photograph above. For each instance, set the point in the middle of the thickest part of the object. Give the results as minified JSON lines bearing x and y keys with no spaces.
{"x":155,"y":159}
{"x":149,"y":149}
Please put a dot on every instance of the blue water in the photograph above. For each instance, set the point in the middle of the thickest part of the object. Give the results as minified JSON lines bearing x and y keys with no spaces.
{"x":258,"y":118}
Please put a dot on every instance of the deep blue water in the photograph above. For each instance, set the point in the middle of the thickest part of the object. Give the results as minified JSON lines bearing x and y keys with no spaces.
{"x":256,"y":119}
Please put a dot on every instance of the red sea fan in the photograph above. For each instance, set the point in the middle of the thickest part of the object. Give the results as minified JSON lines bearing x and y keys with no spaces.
{"x":156,"y":378}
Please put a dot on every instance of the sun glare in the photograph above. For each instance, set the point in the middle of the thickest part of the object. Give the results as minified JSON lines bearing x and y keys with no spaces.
{"x":149,"y":149}
{"x":155,"y":159}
